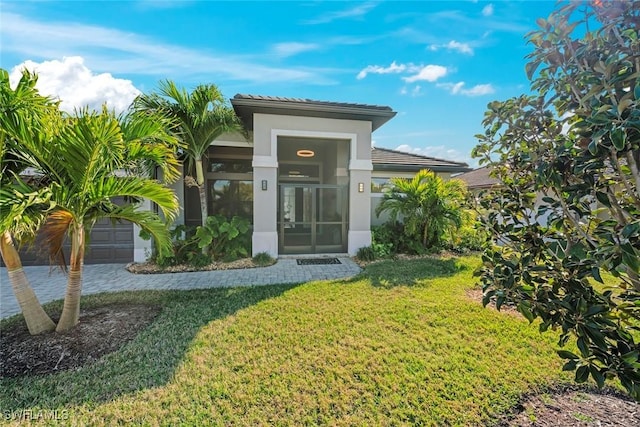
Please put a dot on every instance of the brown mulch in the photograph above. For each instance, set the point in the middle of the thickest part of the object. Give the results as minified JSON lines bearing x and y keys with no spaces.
{"x":101,"y":331}
{"x":152,"y":268}
{"x":476,"y":295}
{"x":576,"y":408}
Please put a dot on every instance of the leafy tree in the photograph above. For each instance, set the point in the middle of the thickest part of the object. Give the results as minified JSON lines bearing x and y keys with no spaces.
{"x":198,"y":118}
{"x":88,"y":164}
{"x":25,"y":115}
{"x":427,"y":205}
{"x":568,"y":208}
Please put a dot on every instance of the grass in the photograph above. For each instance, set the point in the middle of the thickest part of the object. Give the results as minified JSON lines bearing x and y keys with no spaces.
{"x":399,"y":344}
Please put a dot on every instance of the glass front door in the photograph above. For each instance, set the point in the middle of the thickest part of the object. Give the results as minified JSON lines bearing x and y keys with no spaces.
{"x":312,"y":218}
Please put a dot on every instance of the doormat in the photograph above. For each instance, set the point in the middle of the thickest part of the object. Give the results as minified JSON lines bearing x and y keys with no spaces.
{"x":317,"y":261}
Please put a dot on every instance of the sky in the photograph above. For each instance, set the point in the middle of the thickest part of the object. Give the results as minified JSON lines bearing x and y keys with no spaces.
{"x":436,"y":63}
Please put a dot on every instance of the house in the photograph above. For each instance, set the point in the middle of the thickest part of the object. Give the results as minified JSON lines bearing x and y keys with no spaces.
{"x":479,"y":179}
{"x":307,"y":179}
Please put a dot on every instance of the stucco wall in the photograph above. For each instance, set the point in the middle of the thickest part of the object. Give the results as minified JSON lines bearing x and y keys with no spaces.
{"x":266,"y":129}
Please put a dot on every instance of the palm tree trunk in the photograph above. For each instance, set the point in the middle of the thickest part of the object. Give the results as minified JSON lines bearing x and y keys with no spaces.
{"x":37,"y":319}
{"x":202,"y":190}
{"x":71,"y":308}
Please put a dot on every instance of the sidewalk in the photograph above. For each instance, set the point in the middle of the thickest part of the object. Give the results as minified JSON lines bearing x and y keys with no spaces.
{"x":49,"y":284}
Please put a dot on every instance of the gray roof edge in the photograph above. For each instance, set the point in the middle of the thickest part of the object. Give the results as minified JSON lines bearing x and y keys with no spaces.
{"x":315,"y":106}
{"x":462,"y":164}
{"x":415,"y":168}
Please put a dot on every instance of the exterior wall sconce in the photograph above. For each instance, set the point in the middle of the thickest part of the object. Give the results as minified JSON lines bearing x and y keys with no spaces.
{"x":361,"y":187}
{"x":264,"y":185}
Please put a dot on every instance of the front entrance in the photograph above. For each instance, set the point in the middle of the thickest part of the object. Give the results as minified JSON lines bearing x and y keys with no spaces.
{"x":312,"y":218}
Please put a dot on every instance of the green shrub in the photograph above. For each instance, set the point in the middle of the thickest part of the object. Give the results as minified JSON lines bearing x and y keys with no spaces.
{"x":221,"y":239}
{"x":390,"y":238}
{"x":224,"y":239}
{"x":263,"y":259}
{"x":470,"y":237}
{"x":366,"y":253}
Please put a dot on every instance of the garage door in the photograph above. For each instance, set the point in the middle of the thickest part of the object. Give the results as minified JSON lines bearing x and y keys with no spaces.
{"x":108,"y":244}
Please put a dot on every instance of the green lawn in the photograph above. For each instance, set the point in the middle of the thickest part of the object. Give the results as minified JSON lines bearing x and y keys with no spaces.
{"x":400,"y":344}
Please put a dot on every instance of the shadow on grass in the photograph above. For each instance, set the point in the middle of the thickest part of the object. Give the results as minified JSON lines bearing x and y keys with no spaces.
{"x":409,"y":272}
{"x":148,"y":361}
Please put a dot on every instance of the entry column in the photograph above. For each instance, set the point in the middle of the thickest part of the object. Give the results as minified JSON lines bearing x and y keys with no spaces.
{"x":265,"y":205}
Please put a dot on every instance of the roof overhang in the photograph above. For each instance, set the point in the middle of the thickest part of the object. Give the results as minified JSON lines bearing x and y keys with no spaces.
{"x":245,"y":109}
{"x":417,"y":168}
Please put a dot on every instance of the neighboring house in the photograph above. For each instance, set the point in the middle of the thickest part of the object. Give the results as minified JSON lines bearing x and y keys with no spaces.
{"x":478,"y":179}
{"x":307,"y":178}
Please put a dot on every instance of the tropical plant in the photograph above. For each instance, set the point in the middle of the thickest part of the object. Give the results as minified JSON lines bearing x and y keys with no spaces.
{"x":224,"y":238}
{"x":198,"y":118}
{"x":89,"y":164}
{"x":427,"y":205}
{"x":25,"y":115}
{"x":568,"y":209}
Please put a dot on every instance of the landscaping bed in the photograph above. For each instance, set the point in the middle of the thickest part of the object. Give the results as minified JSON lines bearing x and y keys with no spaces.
{"x":152,"y":268}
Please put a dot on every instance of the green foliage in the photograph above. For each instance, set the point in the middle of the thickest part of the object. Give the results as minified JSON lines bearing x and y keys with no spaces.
{"x":263,"y":259}
{"x":366,"y":253}
{"x":390,"y":238}
{"x":427,"y":205}
{"x":221,"y":239}
{"x":568,"y":209}
{"x":471,"y":236}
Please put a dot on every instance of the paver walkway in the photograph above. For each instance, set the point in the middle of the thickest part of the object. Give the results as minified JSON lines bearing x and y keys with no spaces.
{"x":50,"y":285}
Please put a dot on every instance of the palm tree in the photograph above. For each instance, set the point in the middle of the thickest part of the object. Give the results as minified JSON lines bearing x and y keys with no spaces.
{"x":89,"y":163}
{"x":199,"y":118}
{"x":25,"y":116}
{"x":428,"y":205}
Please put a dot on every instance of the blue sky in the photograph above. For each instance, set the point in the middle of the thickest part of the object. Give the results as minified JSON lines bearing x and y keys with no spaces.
{"x":437,"y":63}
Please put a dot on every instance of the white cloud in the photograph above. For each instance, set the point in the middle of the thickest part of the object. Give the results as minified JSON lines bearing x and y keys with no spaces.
{"x":354,"y":12}
{"x":438,"y":151}
{"x":77,"y":86}
{"x":429,"y":73}
{"x":460,"y":47}
{"x":458,"y":89}
{"x":416,"y":91}
{"x":453,"y":45}
{"x":377,"y":69}
{"x":293,"y":48}
{"x":487,"y":10}
{"x":124,"y":52}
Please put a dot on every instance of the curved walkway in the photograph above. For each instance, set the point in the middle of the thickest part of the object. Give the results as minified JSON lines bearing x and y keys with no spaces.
{"x":49,"y":285}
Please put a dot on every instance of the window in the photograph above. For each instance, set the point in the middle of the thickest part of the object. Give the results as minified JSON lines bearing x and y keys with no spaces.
{"x":230,"y":166}
{"x":231,"y":197}
{"x":378,"y":185}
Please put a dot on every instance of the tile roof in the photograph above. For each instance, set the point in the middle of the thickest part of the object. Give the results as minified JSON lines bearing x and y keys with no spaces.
{"x":246,"y":106}
{"x":393,"y":159}
{"x":311,"y":102}
{"x":478,"y":178}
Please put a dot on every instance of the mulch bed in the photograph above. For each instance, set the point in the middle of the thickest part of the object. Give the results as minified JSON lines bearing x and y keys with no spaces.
{"x":575,"y":407}
{"x":101,"y":331}
{"x":152,"y":268}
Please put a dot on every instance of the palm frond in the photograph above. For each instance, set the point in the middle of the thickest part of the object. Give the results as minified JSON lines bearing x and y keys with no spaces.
{"x":53,"y":233}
